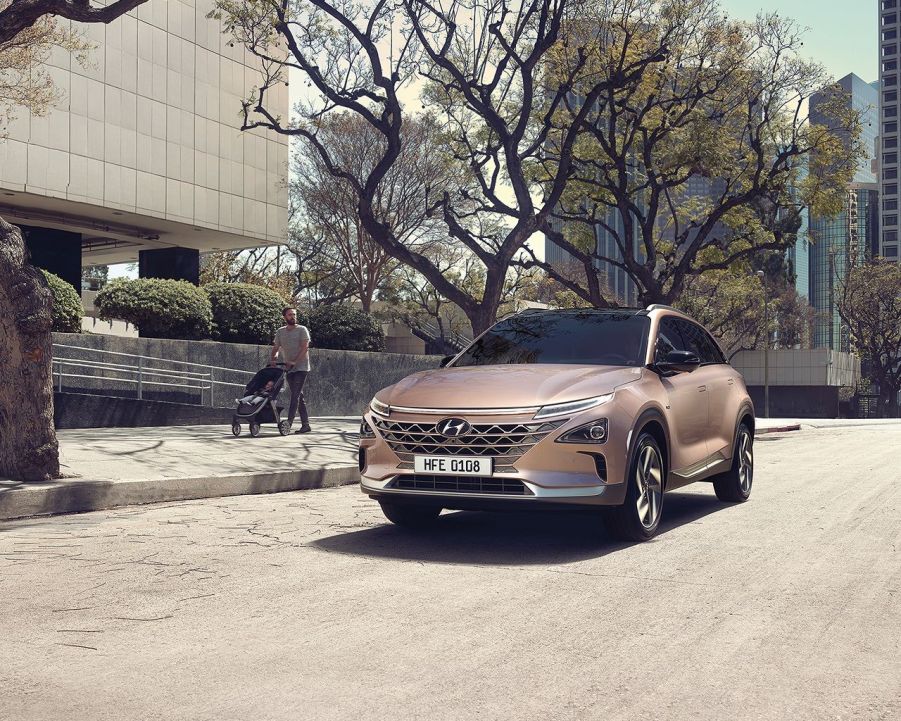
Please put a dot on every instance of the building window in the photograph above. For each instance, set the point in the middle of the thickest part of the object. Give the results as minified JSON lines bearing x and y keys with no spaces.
{"x":890,"y":111}
{"x":889,"y":50}
{"x":890,"y":188}
{"x":890,"y":96}
{"x":889,"y":65}
{"x":890,"y":158}
{"x":890,"y":80}
{"x":889,"y":19}
{"x":889,"y":173}
{"x":891,"y":127}
{"x":891,"y":219}
{"x":889,"y":35}
{"x":888,"y":4}
{"x":890,"y":142}
{"x":891,"y":251}
{"x":890,"y":204}
{"x":890,"y":236}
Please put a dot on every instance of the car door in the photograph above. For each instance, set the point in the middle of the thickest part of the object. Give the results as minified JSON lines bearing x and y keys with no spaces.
{"x":686,"y":400}
{"x":719,"y":377}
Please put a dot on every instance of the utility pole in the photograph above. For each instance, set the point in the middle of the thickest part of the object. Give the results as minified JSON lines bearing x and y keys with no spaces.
{"x":766,"y":348}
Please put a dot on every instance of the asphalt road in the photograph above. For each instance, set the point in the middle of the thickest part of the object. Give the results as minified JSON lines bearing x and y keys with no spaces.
{"x":308,"y":606}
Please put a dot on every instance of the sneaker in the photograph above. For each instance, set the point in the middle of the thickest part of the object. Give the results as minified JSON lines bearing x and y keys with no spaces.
{"x":303,"y":429}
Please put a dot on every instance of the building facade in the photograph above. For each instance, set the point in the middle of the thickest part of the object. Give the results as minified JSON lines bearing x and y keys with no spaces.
{"x":142,"y":160}
{"x":853,"y":235}
{"x":890,"y":87}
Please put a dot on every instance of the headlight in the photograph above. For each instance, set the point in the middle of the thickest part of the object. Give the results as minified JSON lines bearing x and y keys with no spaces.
{"x":594,"y":432}
{"x":560,"y":409}
{"x":383,"y":409}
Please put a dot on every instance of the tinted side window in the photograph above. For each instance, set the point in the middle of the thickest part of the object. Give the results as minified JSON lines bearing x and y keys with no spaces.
{"x":698,"y":341}
{"x":668,"y":338}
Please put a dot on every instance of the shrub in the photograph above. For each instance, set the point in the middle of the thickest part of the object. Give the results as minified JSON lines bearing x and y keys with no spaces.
{"x":341,"y":327}
{"x":158,"y":308}
{"x":244,"y":313}
{"x":67,"y":309}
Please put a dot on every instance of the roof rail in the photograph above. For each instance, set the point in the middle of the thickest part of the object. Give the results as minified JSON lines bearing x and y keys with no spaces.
{"x":661,"y":306}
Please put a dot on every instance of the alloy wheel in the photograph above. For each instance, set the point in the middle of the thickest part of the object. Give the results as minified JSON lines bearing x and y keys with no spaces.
{"x":649,"y":480}
{"x":745,"y":462}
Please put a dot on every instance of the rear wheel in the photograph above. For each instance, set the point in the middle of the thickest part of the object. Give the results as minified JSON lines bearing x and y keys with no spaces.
{"x":254,"y":429}
{"x":409,"y":515}
{"x":284,"y":427}
{"x":639,"y":516}
{"x":236,"y":429}
{"x":734,"y":486}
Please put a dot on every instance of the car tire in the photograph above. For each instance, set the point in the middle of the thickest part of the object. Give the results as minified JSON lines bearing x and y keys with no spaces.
{"x":734,"y":486}
{"x":639,"y":516}
{"x":409,"y":515}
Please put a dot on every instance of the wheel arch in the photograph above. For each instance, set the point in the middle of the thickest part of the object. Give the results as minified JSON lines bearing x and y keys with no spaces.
{"x":650,"y":420}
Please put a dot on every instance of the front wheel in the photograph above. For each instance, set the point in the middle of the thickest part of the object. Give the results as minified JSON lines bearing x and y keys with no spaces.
{"x":236,"y":429}
{"x":254,"y":429}
{"x":284,"y":427}
{"x":734,"y":486}
{"x":639,"y":516}
{"x":409,"y":515}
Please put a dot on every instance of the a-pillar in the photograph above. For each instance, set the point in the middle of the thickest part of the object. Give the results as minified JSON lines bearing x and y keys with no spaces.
{"x":56,"y":251}
{"x":170,"y":264}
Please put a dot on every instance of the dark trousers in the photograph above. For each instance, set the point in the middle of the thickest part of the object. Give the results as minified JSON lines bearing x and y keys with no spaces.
{"x":295,"y":384}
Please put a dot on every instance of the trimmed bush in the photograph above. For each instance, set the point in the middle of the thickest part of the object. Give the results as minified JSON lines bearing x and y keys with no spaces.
{"x":244,"y":313}
{"x":67,"y":309}
{"x":158,"y":308}
{"x":341,"y":327}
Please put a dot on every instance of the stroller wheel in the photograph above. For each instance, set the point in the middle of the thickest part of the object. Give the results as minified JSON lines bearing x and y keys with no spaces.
{"x":284,"y":427}
{"x":236,"y":429}
{"x":254,"y":429}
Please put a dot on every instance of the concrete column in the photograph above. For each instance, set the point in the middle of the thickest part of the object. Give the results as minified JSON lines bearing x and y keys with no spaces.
{"x":57,"y":251}
{"x":170,"y":264}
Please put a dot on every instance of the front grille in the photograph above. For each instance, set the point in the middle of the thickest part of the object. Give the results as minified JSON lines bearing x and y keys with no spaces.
{"x":462,"y":484}
{"x":504,"y":442}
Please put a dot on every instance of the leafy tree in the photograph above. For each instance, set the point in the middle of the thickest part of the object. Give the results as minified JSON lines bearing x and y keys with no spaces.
{"x":95,"y":275}
{"x":67,"y":308}
{"x":482,"y":67}
{"x":713,"y":150}
{"x":870,"y":304}
{"x":28,"y":447}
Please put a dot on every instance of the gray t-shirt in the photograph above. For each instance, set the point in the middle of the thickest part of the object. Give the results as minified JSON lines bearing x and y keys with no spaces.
{"x":288,"y":340}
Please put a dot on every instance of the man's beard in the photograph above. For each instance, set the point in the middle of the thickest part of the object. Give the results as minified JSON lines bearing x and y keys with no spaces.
{"x":292,"y":321}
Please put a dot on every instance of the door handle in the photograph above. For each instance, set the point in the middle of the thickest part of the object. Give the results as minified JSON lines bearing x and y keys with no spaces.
{"x":731,"y":381}
{"x":702,"y":388}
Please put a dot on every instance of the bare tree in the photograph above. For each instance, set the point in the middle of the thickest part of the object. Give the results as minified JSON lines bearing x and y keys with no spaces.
{"x":28,"y":446}
{"x":708,"y":161}
{"x":481,"y":65}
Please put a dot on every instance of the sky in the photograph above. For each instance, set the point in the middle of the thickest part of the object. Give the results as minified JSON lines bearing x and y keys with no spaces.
{"x":842,"y":35}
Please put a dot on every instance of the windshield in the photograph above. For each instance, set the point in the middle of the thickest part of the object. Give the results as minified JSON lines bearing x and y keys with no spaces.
{"x":574,"y":337}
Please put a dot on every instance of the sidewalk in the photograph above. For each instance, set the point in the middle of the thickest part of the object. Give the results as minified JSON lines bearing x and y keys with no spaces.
{"x":111,"y":467}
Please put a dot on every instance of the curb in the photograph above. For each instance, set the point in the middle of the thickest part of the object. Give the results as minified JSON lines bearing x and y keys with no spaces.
{"x":778,"y":429}
{"x":78,"y":496}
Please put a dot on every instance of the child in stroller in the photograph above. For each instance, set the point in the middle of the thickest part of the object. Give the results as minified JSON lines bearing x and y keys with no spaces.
{"x":259,"y":404}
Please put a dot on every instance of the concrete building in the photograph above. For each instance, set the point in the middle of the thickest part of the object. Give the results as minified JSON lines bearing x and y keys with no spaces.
{"x":888,"y":116}
{"x":142,"y":160}
{"x":853,"y":235}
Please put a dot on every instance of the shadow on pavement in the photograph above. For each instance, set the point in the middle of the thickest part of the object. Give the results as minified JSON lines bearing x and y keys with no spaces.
{"x":510,"y":539}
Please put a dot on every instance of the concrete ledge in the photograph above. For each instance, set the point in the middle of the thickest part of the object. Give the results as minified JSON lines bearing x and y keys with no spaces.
{"x":778,"y":429}
{"x":76,"y":496}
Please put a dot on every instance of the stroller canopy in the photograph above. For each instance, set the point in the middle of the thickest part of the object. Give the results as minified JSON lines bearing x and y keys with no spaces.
{"x":262,"y":377}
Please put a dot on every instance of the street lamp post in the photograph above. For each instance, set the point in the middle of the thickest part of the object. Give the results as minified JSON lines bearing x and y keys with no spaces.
{"x":766,"y":348}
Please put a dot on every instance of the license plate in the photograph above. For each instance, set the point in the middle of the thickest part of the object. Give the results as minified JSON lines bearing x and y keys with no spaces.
{"x":451,"y":466}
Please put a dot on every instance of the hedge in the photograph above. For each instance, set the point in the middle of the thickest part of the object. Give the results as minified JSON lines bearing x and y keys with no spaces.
{"x":244,"y":313}
{"x":67,"y":309}
{"x":342,"y":327}
{"x":158,"y":308}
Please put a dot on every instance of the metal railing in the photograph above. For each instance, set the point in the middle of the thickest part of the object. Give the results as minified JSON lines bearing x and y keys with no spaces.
{"x":143,"y":372}
{"x":430,"y":328}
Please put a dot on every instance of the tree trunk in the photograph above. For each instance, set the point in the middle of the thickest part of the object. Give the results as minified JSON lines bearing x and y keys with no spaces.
{"x":28,"y":447}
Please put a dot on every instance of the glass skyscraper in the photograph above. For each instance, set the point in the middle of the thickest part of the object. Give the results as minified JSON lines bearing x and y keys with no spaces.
{"x":888,"y":130}
{"x":850,"y":237}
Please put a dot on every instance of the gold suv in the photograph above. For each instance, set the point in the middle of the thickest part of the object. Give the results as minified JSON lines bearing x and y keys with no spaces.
{"x":565,"y":409}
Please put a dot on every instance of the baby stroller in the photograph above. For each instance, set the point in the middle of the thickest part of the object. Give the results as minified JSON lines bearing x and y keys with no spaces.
{"x":259,"y":402}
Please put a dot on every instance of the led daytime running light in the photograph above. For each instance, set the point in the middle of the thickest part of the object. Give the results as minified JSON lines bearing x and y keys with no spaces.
{"x":559,"y":409}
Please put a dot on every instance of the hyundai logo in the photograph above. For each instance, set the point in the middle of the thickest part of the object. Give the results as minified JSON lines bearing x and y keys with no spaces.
{"x":454,"y":427}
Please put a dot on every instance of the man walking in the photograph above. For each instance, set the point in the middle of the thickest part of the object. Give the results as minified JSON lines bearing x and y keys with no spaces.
{"x":292,"y":343}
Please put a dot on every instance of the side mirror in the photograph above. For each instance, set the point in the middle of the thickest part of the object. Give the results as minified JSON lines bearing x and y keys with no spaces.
{"x":444,"y":361}
{"x":680,"y":361}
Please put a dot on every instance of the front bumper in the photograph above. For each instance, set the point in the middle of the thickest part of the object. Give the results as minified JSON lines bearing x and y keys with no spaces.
{"x":545,"y":472}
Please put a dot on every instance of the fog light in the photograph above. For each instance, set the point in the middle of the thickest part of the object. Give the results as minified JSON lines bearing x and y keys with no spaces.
{"x":597,"y":432}
{"x":594,"y":432}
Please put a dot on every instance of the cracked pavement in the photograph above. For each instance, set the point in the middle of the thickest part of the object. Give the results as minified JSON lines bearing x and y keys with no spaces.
{"x":309,"y":605}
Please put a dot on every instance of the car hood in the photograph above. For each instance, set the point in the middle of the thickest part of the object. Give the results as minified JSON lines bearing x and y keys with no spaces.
{"x":505,"y":386}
